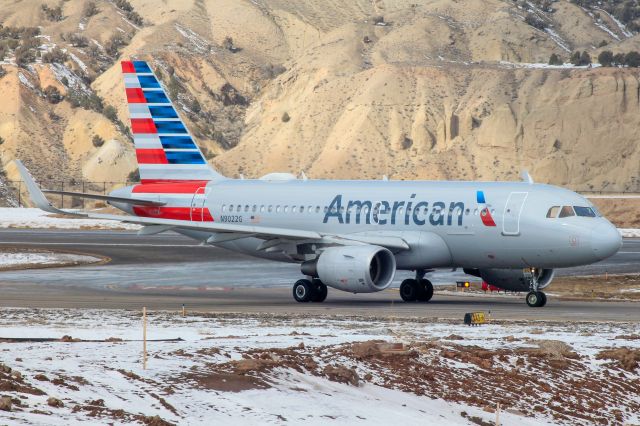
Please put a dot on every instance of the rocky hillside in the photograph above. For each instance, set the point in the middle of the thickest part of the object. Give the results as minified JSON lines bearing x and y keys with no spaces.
{"x":440,"y":89}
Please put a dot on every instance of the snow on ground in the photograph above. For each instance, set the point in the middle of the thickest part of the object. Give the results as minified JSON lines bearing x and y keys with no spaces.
{"x":13,"y":260}
{"x":629,"y":232}
{"x":267,"y":369}
{"x":542,"y":65}
{"x":36,"y":218}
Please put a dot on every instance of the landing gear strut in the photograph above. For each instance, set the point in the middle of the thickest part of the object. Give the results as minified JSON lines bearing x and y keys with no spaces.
{"x":418,"y":289}
{"x":309,"y":291}
{"x":535,"y":298}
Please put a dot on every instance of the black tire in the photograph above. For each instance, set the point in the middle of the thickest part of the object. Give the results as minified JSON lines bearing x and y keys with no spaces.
{"x":320,"y":293}
{"x":303,"y":291}
{"x":425,"y":292}
{"x":409,"y":290}
{"x":536,"y":299}
{"x":544,"y":299}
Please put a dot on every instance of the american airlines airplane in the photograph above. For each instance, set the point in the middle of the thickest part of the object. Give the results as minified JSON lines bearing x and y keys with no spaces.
{"x":348,"y":235}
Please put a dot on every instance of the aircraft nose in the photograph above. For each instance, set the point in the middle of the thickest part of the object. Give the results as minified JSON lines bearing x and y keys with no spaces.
{"x":605,"y":240}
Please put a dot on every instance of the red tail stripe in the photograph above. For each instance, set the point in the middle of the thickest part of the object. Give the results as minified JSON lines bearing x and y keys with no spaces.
{"x":155,"y":186}
{"x":135,"y":96}
{"x":196,"y":214}
{"x":151,"y":156}
{"x":127,"y":67}
{"x":143,"y":125}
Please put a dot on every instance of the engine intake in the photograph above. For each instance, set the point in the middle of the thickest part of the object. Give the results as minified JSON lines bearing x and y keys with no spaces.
{"x":357,"y":269}
{"x":512,"y":279}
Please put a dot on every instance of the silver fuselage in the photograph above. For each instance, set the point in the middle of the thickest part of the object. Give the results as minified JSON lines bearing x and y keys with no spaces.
{"x":441,"y":220}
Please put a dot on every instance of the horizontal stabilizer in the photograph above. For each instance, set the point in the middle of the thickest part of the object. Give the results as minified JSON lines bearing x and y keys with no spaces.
{"x":36,"y":195}
{"x":134,"y":201}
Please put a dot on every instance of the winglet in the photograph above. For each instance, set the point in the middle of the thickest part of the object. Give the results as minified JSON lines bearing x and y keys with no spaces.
{"x":36,"y":195}
{"x":526,"y":177}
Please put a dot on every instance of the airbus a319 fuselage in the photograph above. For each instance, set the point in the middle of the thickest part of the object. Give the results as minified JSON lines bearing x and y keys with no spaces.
{"x":352,"y":235}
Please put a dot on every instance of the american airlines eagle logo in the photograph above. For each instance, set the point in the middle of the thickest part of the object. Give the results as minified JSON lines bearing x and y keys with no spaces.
{"x":485,"y":213}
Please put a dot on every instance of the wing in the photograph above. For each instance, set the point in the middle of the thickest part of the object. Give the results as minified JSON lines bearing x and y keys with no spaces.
{"x":221,"y":231}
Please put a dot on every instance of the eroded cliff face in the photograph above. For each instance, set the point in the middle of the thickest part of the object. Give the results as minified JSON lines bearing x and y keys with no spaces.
{"x":575,"y":128}
{"x":440,"y":90}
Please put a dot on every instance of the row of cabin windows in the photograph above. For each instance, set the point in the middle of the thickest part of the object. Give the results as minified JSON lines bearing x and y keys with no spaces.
{"x":310,"y":209}
{"x":567,"y":211}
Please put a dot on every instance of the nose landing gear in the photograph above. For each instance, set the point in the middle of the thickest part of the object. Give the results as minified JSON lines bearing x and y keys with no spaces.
{"x":535,"y":298}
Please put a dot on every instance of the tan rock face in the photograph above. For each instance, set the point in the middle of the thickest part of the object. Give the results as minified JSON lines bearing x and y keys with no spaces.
{"x":424,"y":97}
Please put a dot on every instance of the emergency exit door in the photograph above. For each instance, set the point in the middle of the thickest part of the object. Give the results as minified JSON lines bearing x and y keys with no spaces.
{"x":198,"y":204}
{"x":512,"y":213}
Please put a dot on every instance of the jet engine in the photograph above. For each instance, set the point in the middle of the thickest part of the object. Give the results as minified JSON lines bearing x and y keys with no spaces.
{"x":356,"y":269}
{"x":512,"y":279}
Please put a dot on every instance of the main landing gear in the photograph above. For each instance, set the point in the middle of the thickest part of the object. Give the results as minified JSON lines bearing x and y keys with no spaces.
{"x":418,"y":289}
{"x":535,"y":298}
{"x":309,"y":291}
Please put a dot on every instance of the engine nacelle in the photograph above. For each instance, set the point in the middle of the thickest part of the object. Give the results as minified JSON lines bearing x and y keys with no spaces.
{"x":356,"y":269}
{"x":512,"y":279}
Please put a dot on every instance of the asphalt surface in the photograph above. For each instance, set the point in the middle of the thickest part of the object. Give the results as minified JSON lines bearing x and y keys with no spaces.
{"x":164,"y":271}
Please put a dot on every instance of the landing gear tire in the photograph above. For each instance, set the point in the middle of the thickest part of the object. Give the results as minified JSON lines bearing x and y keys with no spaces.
{"x":536,"y":299}
{"x":320,"y":291}
{"x":303,"y":291}
{"x":409,"y":290}
{"x":425,"y":288}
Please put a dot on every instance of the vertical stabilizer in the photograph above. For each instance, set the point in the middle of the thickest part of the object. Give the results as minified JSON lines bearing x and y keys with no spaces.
{"x":165,"y":150}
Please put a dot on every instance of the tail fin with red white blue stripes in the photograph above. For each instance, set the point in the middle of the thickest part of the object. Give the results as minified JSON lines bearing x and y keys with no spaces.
{"x":165,"y":150}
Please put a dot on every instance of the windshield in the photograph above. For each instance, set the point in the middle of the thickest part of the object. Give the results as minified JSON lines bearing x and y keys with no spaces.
{"x":584,"y":211}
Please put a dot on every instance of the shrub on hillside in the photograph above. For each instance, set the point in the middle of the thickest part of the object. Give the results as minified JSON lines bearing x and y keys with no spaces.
{"x":111,"y":113}
{"x":555,"y":59}
{"x":605,"y":58}
{"x":580,"y":59}
{"x":24,"y":56}
{"x":533,"y":20}
{"x":632,"y":59}
{"x":52,"y":13}
{"x":3,"y":72}
{"x":90,"y":9}
{"x":97,"y":141}
{"x":77,"y":40}
{"x":52,"y":94}
{"x":113,"y":45}
{"x":285,"y":117}
{"x":55,"y":56}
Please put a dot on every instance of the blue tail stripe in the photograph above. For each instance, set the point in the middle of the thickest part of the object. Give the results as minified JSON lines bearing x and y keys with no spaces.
{"x":141,"y":67}
{"x":181,"y":157}
{"x":170,"y":127}
{"x":148,"y":82}
{"x":163,"y":112}
{"x":177,"y":142}
{"x":155,"y":97}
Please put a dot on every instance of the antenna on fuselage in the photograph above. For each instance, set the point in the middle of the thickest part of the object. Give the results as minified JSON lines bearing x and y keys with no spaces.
{"x":302,"y":175}
{"x":385,"y":177}
{"x":526,"y":177}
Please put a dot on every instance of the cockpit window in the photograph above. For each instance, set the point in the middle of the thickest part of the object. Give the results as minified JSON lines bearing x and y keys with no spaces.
{"x":553,"y":212}
{"x":566,"y":211}
{"x":584,"y":211}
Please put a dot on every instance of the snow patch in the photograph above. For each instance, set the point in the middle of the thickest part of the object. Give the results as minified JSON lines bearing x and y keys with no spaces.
{"x":79,"y":62}
{"x":24,"y":80}
{"x":629,"y":232}
{"x":201,"y":45}
{"x":36,"y":218}
{"x":557,"y":39}
{"x":13,"y":260}
{"x":62,"y":71}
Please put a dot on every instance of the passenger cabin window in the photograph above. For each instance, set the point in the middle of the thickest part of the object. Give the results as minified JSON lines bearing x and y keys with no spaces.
{"x":553,"y":212}
{"x":566,"y":211}
{"x":584,"y":211}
